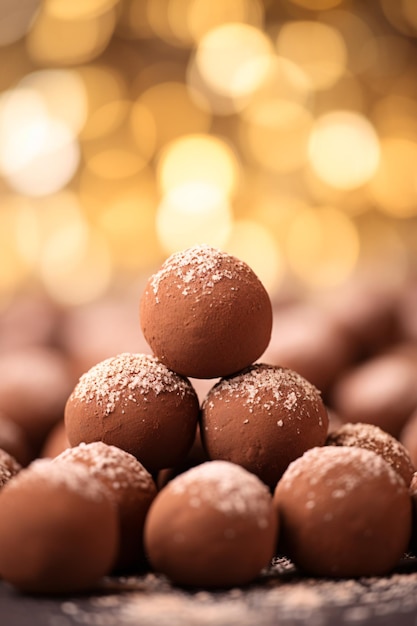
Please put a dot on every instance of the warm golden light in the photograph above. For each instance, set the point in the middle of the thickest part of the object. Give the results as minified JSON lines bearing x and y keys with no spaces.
{"x":54,"y":40}
{"x":38,"y":154}
{"x":234,"y":59}
{"x":317,"y":5}
{"x":198,"y":159}
{"x":15,"y":19}
{"x":107,"y":101}
{"x":284,"y":82}
{"x":384,"y":254}
{"x":133,"y":20}
{"x":276,"y":133}
{"x":115,"y":163}
{"x":396,"y":115}
{"x":344,"y":149}
{"x":322,"y":247}
{"x":205,"y":15}
{"x":14,"y":268}
{"x":194,"y":212}
{"x":78,"y":9}
{"x":394,"y":186}
{"x":63,"y":94}
{"x":128,"y":225}
{"x":130,"y":129}
{"x":400,"y":15}
{"x":75,"y":264}
{"x":171,"y":109}
{"x":254,"y":244}
{"x":317,"y":48}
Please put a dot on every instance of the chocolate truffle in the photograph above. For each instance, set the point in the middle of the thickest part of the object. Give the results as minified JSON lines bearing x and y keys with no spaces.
{"x":9,"y":467}
{"x":30,"y":319}
{"x":14,"y":440}
{"x":367,"y":312}
{"x":34,"y":386}
{"x":213,"y":526}
{"x":195,"y":456}
{"x":408,"y":437}
{"x":373,"y":438}
{"x":56,"y":441}
{"x":343,"y":512}
{"x":58,"y":529}
{"x":85,"y":336}
{"x":380,"y":391}
{"x":136,"y":403}
{"x":132,"y":490}
{"x":308,"y":341}
{"x":205,"y":314}
{"x":263,"y":418}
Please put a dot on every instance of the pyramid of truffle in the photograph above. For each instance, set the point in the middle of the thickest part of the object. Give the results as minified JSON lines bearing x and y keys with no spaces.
{"x":343,"y":512}
{"x":131,"y":488}
{"x":205,"y":313}
{"x":212,"y":526}
{"x":262,"y":419}
{"x":373,"y":438}
{"x":134,"y":402}
{"x":58,"y":529}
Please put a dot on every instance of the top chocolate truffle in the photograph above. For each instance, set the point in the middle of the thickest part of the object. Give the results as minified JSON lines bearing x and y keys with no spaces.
{"x":205,"y":313}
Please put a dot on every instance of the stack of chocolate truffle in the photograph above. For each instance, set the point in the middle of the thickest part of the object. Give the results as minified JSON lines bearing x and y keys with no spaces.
{"x":266,"y":477}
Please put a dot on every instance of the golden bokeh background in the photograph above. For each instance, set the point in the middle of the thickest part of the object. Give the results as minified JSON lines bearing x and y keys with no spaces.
{"x":282,"y":131}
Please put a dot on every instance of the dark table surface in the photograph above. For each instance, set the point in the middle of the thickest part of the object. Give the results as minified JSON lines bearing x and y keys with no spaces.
{"x":280,"y":597}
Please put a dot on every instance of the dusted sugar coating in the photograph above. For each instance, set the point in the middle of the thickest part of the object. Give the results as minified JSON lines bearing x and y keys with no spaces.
{"x":134,"y":402}
{"x":131,"y":488}
{"x":205,"y":314}
{"x":343,"y":512}
{"x":212,"y":526}
{"x":9,"y":467}
{"x":373,"y":438}
{"x":262,"y":419}
{"x":58,"y":529}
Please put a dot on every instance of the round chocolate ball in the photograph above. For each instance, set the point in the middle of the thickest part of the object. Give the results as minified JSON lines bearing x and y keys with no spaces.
{"x":262,"y":419}
{"x":134,"y":402}
{"x":408,"y":437}
{"x":343,"y":512}
{"x":195,"y":456}
{"x":34,"y":386}
{"x":14,"y":440}
{"x":212,"y":526}
{"x":131,"y":488}
{"x":308,"y":341}
{"x":367,"y":312}
{"x":380,"y":391}
{"x":373,"y":438}
{"x":56,"y":441}
{"x":205,"y":313}
{"x":58,"y":529}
